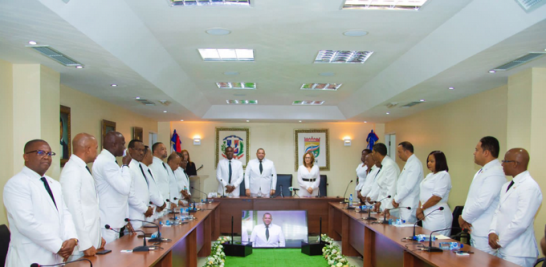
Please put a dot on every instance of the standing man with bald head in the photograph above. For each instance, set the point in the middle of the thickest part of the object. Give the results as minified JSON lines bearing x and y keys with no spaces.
{"x":113,"y":185}
{"x":160,"y":169}
{"x":80,"y":195}
{"x":260,"y":176}
{"x":511,"y":231}
{"x":42,"y":230}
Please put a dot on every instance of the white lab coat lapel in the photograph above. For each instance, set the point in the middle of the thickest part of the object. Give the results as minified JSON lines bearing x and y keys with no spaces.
{"x":506,"y":195}
{"x":45,"y":199}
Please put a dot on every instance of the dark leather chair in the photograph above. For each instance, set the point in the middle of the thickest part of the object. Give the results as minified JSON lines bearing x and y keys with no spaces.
{"x":539,"y":261}
{"x":5,"y":237}
{"x":284,"y":181}
{"x":323,"y":185}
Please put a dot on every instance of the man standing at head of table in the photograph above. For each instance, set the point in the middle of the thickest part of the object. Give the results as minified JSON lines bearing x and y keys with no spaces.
{"x":229,"y":174}
{"x":385,"y":180}
{"x":260,"y":176}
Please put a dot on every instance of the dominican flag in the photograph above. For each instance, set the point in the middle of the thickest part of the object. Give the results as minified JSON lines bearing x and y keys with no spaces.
{"x":175,"y":141}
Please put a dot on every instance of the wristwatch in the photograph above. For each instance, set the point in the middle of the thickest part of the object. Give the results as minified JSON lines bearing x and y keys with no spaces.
{"x":75,"y":239}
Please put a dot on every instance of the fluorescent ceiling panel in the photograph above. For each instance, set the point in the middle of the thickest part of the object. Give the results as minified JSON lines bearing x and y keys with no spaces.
{"x":210,"y":2}
{"x":242,"y":102}
{"x":307,"y":103}
{"x":226,"y":54}
{"x":384,"y":4}
{"x":321,"y":86}
{"x":340,"y":56}
{"x":236,"y":85}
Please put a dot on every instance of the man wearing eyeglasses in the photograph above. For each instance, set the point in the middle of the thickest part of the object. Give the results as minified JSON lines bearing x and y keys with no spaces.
{"x":42,"y":230}
{"x":511,"y":230}
{"x":483,"y":195}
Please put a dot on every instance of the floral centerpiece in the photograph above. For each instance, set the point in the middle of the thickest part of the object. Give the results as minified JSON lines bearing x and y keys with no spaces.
{"x":332,"y":253}
{"x":217,"y":256}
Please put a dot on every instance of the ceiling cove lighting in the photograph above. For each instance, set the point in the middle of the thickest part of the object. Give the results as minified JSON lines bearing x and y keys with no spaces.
{"x":340,"y":56}
{"x":307,"y":103}
{"x":321,"y":86}
{"x":384,"y":4}
{"x":235,"y":85}
{"x":210,"y":2}
{"x":242,"y":102}
{"x":227,"y":54}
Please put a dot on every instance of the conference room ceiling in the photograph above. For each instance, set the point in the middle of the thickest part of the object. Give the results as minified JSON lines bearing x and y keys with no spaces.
{"x":150,"y":50}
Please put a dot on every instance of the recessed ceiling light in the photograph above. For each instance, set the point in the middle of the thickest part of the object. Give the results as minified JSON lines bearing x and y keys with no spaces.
{"x":300,"y":121}
{"x":355,"y":33}
{"x":227,"y":54}
{"x":422,"y":100}
{"x":388,"y":113}
{"x":231,"y":73}
{"x":114,"y":85}
{"x":138,"y":97}
{"x":307,"y":103}
{"x":321,"y":86}
{"x":218,"y":31}
{"x":32,"y":42}
{"x":492,"y":71}
{"x":241,"y":102}
{"x":247,"y":120}
{"x":365,"y":122}
{"x":451,"y":88}
{"x":342,"y":56}
{"x":236,"y":85}
{"x":327,"y":74}
{"x":164,"y":111}
{"x":210,"y":3}
{"x":79,"y":67}
{"x":382,"y":4}
{"x":181,"y":120}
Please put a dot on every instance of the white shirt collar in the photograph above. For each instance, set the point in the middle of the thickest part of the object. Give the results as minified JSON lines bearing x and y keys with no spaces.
{"x":77,"y":160}
{"x":107,"y":154}
{"x":31,"y":173}
{"x":520,"y":176}
{"x":490,"y":164}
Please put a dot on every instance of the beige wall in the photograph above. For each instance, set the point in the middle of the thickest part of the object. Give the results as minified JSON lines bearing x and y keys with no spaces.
{"x":455,"y":129}
{"x":278,"y":141}
{"x":6,"y":109}
{"x":87,"y":113}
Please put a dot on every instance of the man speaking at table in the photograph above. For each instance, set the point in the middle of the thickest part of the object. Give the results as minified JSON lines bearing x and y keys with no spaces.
{"x":260,"y":176}
{"x":267,"y":234}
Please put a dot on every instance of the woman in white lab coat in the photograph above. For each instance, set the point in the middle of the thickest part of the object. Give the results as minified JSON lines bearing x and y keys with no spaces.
{"x":361,"y":172}
{"x":308,"y":176}
{"x":435,"y":190}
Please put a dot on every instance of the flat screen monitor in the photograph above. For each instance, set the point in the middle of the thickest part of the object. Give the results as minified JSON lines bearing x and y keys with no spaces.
{"x":274,"y":228}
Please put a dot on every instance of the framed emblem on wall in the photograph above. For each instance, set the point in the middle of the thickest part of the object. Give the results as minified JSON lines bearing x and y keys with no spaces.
{"x":66,"y":135}
{"x":315,"y":141}
{"x":232,"y":137}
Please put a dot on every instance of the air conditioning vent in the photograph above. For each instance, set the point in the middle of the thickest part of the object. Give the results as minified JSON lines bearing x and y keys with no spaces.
{"x":145,"y":102}
{"x":56,"y":55}
{"x":411,"y":104}
{"x":530,"y":5}
{"x":165,"y":102}
{"x":392,"y":104}
{"x":520,"y":61}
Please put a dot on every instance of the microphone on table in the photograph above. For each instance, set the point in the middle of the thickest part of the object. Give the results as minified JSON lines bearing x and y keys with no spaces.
{"x":282,"y":195}
{"x":415,"y":224}
{"x":295,"y":190}
{"x":430,"y":248}
{"x":139,"y":248}
{"x":224,"y":190}
{"x":206,"y":196}
{"x":345,"y":194}
{"x":385,"y":214}
{"x":158,"y":238}
{"x":62,"y":264}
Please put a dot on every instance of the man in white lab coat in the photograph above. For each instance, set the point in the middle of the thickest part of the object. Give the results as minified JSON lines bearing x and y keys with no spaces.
{"x":42,"y":230}
{"x":370,"y":178}
{"x":229,"y":174}
{"x":408,"y":184}
{"x":511,"y":230}
{"x":139,"y":197}
{"x":260,"y":176}
{"x":81,"y":196}
{"x":160,"y":169}
{"x":386,"y":178}
{"x":180,"y":186}
{"x":113,"y":185}
{"x":155,"y":195}
{"x":267,"y":234}
{"x":484,"y":193}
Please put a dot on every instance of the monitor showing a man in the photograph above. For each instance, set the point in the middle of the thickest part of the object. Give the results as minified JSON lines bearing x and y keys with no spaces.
{"x":267,"y":234}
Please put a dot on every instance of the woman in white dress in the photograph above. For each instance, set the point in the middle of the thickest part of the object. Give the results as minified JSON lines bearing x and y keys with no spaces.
{"x":361,"y":172}
{"x":308,"y":176}
{"x":435,"y":190}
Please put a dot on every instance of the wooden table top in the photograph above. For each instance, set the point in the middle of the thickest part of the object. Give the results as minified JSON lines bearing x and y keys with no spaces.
{"x":175,"y":233}
{"x":446,"y":258}
{"x":279,"y":198}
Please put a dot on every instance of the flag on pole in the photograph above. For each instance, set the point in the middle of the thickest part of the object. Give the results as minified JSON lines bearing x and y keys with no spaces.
{"x":175,"y":141}
{"x":371,"y":139}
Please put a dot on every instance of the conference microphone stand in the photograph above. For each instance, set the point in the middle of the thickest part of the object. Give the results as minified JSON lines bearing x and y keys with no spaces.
{"x":430,"y":248}
{"x":156,"y":239}
{"x":139,"y":248}
{"x":385,"y":214}
{"x":345,"y":194}
{"x":61,"y":264}
{"x":206,"y":196}
{"x":415,"y":224}
{"x":282,"y":194}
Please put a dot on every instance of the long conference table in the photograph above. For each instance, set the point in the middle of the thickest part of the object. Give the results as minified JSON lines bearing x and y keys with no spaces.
{"x":380,"y":245}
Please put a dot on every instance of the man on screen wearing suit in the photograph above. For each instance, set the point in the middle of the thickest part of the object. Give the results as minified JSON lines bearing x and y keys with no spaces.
{"x":483,"y":195}
{"x":81,"y":196}
{"x":267,"y":234}
{"x":42,"y":230}
{"x":260,"y":176}
{"x":511,"y":231}
{"x":229,"y":174}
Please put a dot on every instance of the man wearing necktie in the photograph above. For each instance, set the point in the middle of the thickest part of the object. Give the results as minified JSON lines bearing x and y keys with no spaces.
{"x":260,"y":176}
{"x":160,"y":169}
{"x":267,"y":234}
{"x":229,"y":174}
{"x":511,"y":230}
{"x":139,"y":196}
{"x":155,"y":195}
{"x":483,"y":195}
{"x":81,"y":196}
{"x":42,"y":229}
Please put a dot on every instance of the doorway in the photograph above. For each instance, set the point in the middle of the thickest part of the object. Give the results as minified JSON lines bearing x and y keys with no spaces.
{"x":390,"y":142}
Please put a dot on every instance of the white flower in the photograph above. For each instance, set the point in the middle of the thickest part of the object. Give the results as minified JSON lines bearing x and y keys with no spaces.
{"x":339,"y":265}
